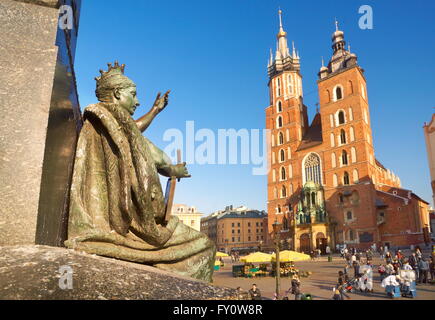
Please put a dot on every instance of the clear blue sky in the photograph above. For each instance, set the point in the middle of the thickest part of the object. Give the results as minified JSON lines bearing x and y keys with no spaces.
{"x":213,"y":55}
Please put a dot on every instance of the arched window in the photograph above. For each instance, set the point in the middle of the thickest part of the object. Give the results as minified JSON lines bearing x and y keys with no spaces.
{"x":343,"y":136}
{"x":346,"y":180}
{"x":312,"y":169}
{"x":283,"y":192}
{"x":279,"y":122}
{"x":344,"y":160}
{"x":281,"y":155}
{"x":290,"y":84}
{"x":352,"y":134}
{"x":355,"y":176}
{"x":341,"y":118}
{"x":278,"y":209}
{"x":353,"y":154}
{"x":283,"y":174}
{"x":313,"y":199}
{"x":279,"y":107}
{"x":333,"y":160}
{"x":280,"y":138}
{"x":278,"y":87}
{"x":338,"y":93}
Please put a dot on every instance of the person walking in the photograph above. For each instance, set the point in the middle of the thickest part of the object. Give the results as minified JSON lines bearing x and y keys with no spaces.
{"x":413,"y":262}
{"x":255,"y":293}
{"x":423,"y":267}
{"x":432,"y":269}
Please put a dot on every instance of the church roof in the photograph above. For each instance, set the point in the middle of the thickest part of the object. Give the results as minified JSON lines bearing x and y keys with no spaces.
{"x":313,"y":136}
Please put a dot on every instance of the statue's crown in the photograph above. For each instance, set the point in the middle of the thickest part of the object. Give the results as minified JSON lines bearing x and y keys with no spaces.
{"x":114,"y":70}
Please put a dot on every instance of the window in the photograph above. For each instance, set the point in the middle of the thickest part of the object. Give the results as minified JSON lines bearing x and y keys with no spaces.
{"x":312,"y":169}
{"x":352,"y":134}
{"x":283,"y":174}
{"x":283,"y":192}
{"x":346,"y":180}
{"x":232,"y":225}
{"x":351,"y":235}
{"x":238,"y":231}
{"x":280,"y":138}
{"x":278,"y":209}
{"x":341,"y":118}
{"x":279,"y":123}
{"x":332,"y":140}
{"x":353,"y":154}
{"x":249,"y":238}
{"x":335,"y":180}
{"x":338,"y":93}
{"x":349,"y":215}
{"x":343,"y":136}
{"x":234,"y":239}
{"x":256,"y":224}
{"x":344,"y":160}
{"x":278,"y":87}
{"x":282,"y":155}
{"x":249,"y":230}
{"x":279,"y":107}
{"x":238,"y":224}
{"x":333,"y":160}
{"x":233,"y":231}
{"x":249,"y":224}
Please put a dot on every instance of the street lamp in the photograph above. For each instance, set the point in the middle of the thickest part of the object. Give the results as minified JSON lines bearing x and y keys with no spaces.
{"x":276,"y":230}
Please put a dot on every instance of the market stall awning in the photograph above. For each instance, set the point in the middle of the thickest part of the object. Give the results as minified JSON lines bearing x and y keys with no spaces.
{"x":257,"y":257}
{"x":221,"y":254}
{"x":287,"y":256}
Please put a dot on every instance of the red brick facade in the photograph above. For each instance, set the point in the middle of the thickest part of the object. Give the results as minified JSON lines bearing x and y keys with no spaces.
{"x":357,"y":187}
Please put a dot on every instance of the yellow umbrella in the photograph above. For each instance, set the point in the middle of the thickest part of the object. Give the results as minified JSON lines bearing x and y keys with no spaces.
{"x":217,"y":263}
{"x":221,"y":254}
{"x":287,"y":256}
{"x":257,"y":257}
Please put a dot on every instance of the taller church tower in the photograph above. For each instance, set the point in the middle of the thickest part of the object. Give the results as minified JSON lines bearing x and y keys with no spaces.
{"x":287,"y":119}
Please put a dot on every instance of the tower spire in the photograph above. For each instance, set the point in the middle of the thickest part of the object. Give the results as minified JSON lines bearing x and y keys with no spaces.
{"x":336,"y":24}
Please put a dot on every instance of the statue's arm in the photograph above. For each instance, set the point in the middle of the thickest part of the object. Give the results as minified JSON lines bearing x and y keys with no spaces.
{"x":161,"y":102}
{"x":164,"y":165}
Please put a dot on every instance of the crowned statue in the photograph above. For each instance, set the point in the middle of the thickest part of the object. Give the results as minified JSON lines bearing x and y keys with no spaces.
{"x":117,"y":205}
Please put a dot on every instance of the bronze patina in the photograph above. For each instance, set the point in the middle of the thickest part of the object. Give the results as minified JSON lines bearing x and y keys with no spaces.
{"x":117,"y":206}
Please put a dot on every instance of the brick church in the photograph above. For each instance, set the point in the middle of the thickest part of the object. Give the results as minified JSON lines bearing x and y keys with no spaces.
{"x":326,"y":186}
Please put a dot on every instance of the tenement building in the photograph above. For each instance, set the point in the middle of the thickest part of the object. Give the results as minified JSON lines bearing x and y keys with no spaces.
{"x":326,"y":185}
{"x":240,"y":229}
{"x":188,"y":215}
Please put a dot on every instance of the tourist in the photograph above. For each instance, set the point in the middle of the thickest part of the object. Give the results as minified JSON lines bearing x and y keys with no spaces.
{"x":389,"y":269}
{"x":341,"y":282}
{"x":296,"y":287}
{"x":406,"y":265}
{"x":356,"y":267}
{"x":328,"y":251}
{"x":381,"y":252}
{"x":413,"y":262}
{"x":423,"y":269}
{"x":255,"y":293}
{"x":388,"y":257}
{"x":432,"y":269}
{"x":337,"y":294}
{"x":418,"y":253}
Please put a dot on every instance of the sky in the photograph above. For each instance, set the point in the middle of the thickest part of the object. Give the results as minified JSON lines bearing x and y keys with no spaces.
{"x":213,"y":56}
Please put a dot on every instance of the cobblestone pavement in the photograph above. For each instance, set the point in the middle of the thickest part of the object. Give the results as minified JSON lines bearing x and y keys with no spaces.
{"x":319,"y":284}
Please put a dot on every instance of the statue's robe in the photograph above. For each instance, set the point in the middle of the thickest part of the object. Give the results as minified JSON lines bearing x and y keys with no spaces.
{"x":116,"y":201}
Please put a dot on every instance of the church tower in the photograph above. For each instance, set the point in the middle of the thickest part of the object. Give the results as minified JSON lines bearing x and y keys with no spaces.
{"x":286,"y":117}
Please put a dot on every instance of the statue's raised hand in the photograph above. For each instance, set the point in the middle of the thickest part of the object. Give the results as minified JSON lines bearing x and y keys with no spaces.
{"x":161,"y":102}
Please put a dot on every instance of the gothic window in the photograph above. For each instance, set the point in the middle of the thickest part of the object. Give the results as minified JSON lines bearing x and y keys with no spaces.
{"x":283,"y":192}
{"x":355,"y":176}
{"x":279,"y":107}
{"x":353,"y":154}
{"x":280,"y":138}
{"x":343,"y":136}
{"x":312,"y":169}
{"x":349,"y":215}
{"x":338,"y":93}
{"x":341,"y":118}
{"x":278,"y":87}
{"x":313,"y":198}
{"x":346,"y":180}
{"x":283,"y":174}
{"x":344,"y":160}
{"x":352,"y":134}
{"x":290,"y":84}
{"x":278,"y":209}
{"x":282,"y":155}
{"x":279,"y":122}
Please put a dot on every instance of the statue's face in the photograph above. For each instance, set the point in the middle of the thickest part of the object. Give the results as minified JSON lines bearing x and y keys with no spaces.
{"x":127,"y":99}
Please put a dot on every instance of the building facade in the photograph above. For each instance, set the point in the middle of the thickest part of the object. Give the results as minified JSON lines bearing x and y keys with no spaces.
{"x":239,"y":229}
{"x":326,"y":185}
{"x":188,"y":215}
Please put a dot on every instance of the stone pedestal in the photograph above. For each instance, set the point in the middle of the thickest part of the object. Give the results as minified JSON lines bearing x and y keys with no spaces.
{"x":48,"y":273}
{"x":40,"y":121}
